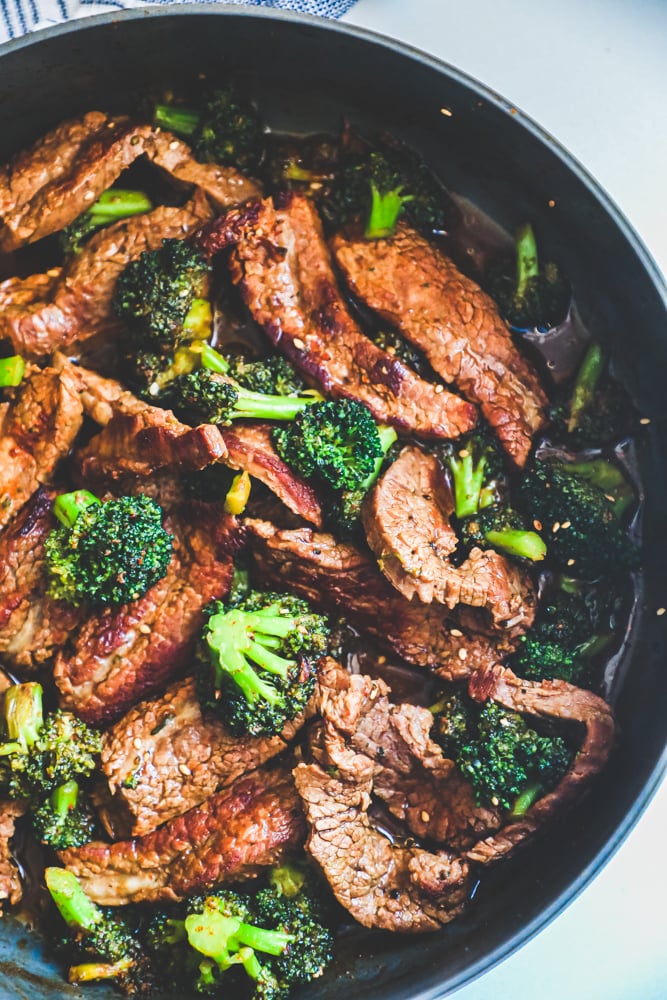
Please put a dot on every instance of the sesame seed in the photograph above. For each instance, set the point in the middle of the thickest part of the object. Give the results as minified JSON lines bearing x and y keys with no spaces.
{"x":555,"y":527}
{"x":456,"y":632}
{"x":439,"y":389}
{"x":645,"y":420}
{"x":145,"y":629}
{"x":464,"y":453}
{"x":566,"y":524}
{"x":174,"y":145}
{"x":299,"y":344}
{"x":463,"y":654}
{"x":537,"y":525}
{"x":381,"y":660}
{"x":89,"y":195}
{"x":660,"y":612}
{"x":137,"y":744}
{"x":610,"y":498}
{"x":571,"y":562}
{"x":185,"y":770}
{"x":424,"y":816}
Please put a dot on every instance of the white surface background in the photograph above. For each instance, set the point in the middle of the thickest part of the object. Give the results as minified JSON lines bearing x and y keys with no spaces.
{"x":594,"y":74}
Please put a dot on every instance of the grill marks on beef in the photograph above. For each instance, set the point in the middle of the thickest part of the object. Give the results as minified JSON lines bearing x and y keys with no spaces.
{"x":281,"y":263}
{"x":407,"y":522}
{"x":421,"y":292}
{"x":37,"y":429}
{"x":47,"y":187}
{"x":164,"y":757}
{"x":123,"y":654}
{"x":78,"y":303}
{"x":231,"y":837}
{"x":32,"y":625}
{"x":250,"y":448}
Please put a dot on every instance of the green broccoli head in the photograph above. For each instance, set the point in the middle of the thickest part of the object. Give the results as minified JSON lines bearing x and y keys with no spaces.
{"x":64,"y":819}
{"x":112,"y":206}
{"x":256,"y":661}
{"x":502,"y":528}
{"x":207,"y":396}
{"x":536,"y":296}
{"x":454,"y":720}
{"x":270,"y":376}
{"x":106,"y":553}
{"x":335,"y":442}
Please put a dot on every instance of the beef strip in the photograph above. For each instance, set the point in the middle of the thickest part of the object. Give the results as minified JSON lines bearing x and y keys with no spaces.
{"x":250,"y":448}
{"x":37,"y":428}
{"x":231,"y":837}
{"x":32,"y":625}
{"x":102,"y":398}
{"x":421,"y":292}
{"x":125,"y":653}
{"x":88,"y":155}
{"x":22,"y":292}
{"x":281,"y":263}
{"x":164,"y":757}
{"x":552,"y":700}
{"x":10,"y":881}
{"x":78,"y":305}
{"x":407,"y":522}
{"x":333,"y":574}
{"x":411,"y":776}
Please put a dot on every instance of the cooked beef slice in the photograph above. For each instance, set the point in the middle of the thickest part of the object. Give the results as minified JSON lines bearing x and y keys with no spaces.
{"x":87,"y":156}
{"x":22,"y":292}
{"x":281,"y":263}
{"x":250,"y":448}
{"x":380,"y":883}
{"x":32,"y":625}
{"x":164,"y":757}
{"x":421,"y":292}
{"x":10,"y":881}
{"x":333,"y":574}
{"x":78,"y":306}
{"x":411,"y":776}
{"x":553,"y":701}
{"x":407,"y":523}
{"x":38,"y":426}
{"x":229,"y":838}
{"x":123,"y":654}
{"x":102,"y":398}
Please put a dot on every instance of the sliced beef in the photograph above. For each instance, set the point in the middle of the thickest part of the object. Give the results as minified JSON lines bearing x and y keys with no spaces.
{"x":23,"y":292}
{"x":231,"y":837}
{"x":32,"y":625}
{"x":102,"y":398}
{"x":333,"y":574}
{"x":250,"y":448}
{"x":407,"y":523}
{"x":553,"y":701}
{"x":88,"y":155}
{"x":10,"y":881}
{"x":164,"y":757}
{"x":124,"y":654}
{"x":37,"y":429}
{"x":281,"y":263}
{"x":421,"y":292}
{"x":78,"y":305}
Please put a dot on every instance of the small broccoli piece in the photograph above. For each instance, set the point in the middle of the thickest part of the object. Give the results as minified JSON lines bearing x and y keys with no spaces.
{"x":227,"y":129}
{"x":583,"y":534}
{"x":397,"y":346}
{"x":386,"y":206}
{"x":537,"y":297}
{"x":64,"y":820}
{"x":205,"y":395}
{"x":335,"y":442}
{"x":42,"y":753}
{"x":502,"y":528}
{"x":271,"y":376}
{"x":454,"y":721}
{"x":107,"y":943}
{"x":112,"y":206}
{"x":106,"y":553}
{"x":255,"y":661}
{"x":307,"y":164}
{"x":343,"y":508}
{"x":12,"y":371}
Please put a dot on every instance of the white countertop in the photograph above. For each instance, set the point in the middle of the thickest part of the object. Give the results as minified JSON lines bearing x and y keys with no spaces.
{"x":594,"y":74}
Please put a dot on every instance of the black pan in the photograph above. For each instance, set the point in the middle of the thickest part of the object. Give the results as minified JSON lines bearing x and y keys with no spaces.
{"x":306,"y":74}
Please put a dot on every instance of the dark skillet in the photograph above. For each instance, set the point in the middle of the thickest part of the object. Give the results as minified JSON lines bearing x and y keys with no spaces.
{"x":307,"y":74}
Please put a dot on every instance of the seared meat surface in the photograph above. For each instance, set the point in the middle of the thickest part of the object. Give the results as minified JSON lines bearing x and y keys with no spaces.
{"x":231,"y":837}
{"x":10,"y":882}
{"x":422,"y":293}
{"x":281,"y":263}
{"x":164,"y":757}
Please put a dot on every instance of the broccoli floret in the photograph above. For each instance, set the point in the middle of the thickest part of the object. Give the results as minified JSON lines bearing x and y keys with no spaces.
{"x":226,"y":130}
{"x":386,"y":206}
{"x":64,"y":819}
{"x":12,"y":371}
{"x":397,"y":346}
{"x":112,"y":206}
{"x":454,"y":721}
{"x":343,"y":507}
{"x":584,"y":536}
{"x":205,"y":395}
{"x":335,"y":442}
{"x":271,"y":376}
{"x":106,"y":553}
{"x":537,"y":296}
{"x":306,"y":164}
{"x":104,"y":945}
{"x":256,"y":669}
{"x":40,"y":754}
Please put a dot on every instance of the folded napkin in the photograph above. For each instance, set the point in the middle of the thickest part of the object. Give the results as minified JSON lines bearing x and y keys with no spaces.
{"x":20,"y":16}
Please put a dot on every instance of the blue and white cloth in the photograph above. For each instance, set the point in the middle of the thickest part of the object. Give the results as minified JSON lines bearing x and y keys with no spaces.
{"x":20,"y":16}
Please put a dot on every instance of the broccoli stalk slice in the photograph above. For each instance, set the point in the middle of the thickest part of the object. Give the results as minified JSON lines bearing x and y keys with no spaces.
{"x":468,"y":479}
{"x":118,"y":203}
{"x":527,"y":262}
{"x":182,"y":121}
{"x":526,"y":799}
{"x":91,"y":972}
{"x":385,"y":210}
{"x":12,"y":371}
{"x":257,"y":406}
{"x":515,"y":542}
{"x":238,"y":494}
{"x":64,"y":798}
{"x":198,"y":322}
{"x":77,"y":910}
{"x":228,"y":940}
{"x":24,"y":717}
{"x":588,"y":377}
{"x":215,"y":362}
{"x":68,"y":506}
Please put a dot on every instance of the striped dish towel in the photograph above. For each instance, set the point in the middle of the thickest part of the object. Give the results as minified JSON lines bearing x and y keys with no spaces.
{"x":20,"y":16}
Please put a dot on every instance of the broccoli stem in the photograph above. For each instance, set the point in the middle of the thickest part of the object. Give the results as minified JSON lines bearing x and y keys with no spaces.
{"x":74,"y":906}
{"x":385,"y":210}
{"x":182,"y":121}
{"x":526,"y":799}
{"x":90,"y":972}
{"x":68,"y":506}
{"x":257,"y":406}
{"x":12,"y":370}
{"x":238,"y":494}
{"x":527,"y":264}
{"x":468,"y":481}
{"x":198,"y":322}
{"x":526,"y":544}
{"x":288,"y":880}
{"x":24,"y":716}
{"x":583,"y":393}
{"x":119,"y":203}
{"x":214,"y":361}
{"x":607,"y":477}
{"x":259,"y":939}
{"x":64,"y":798}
